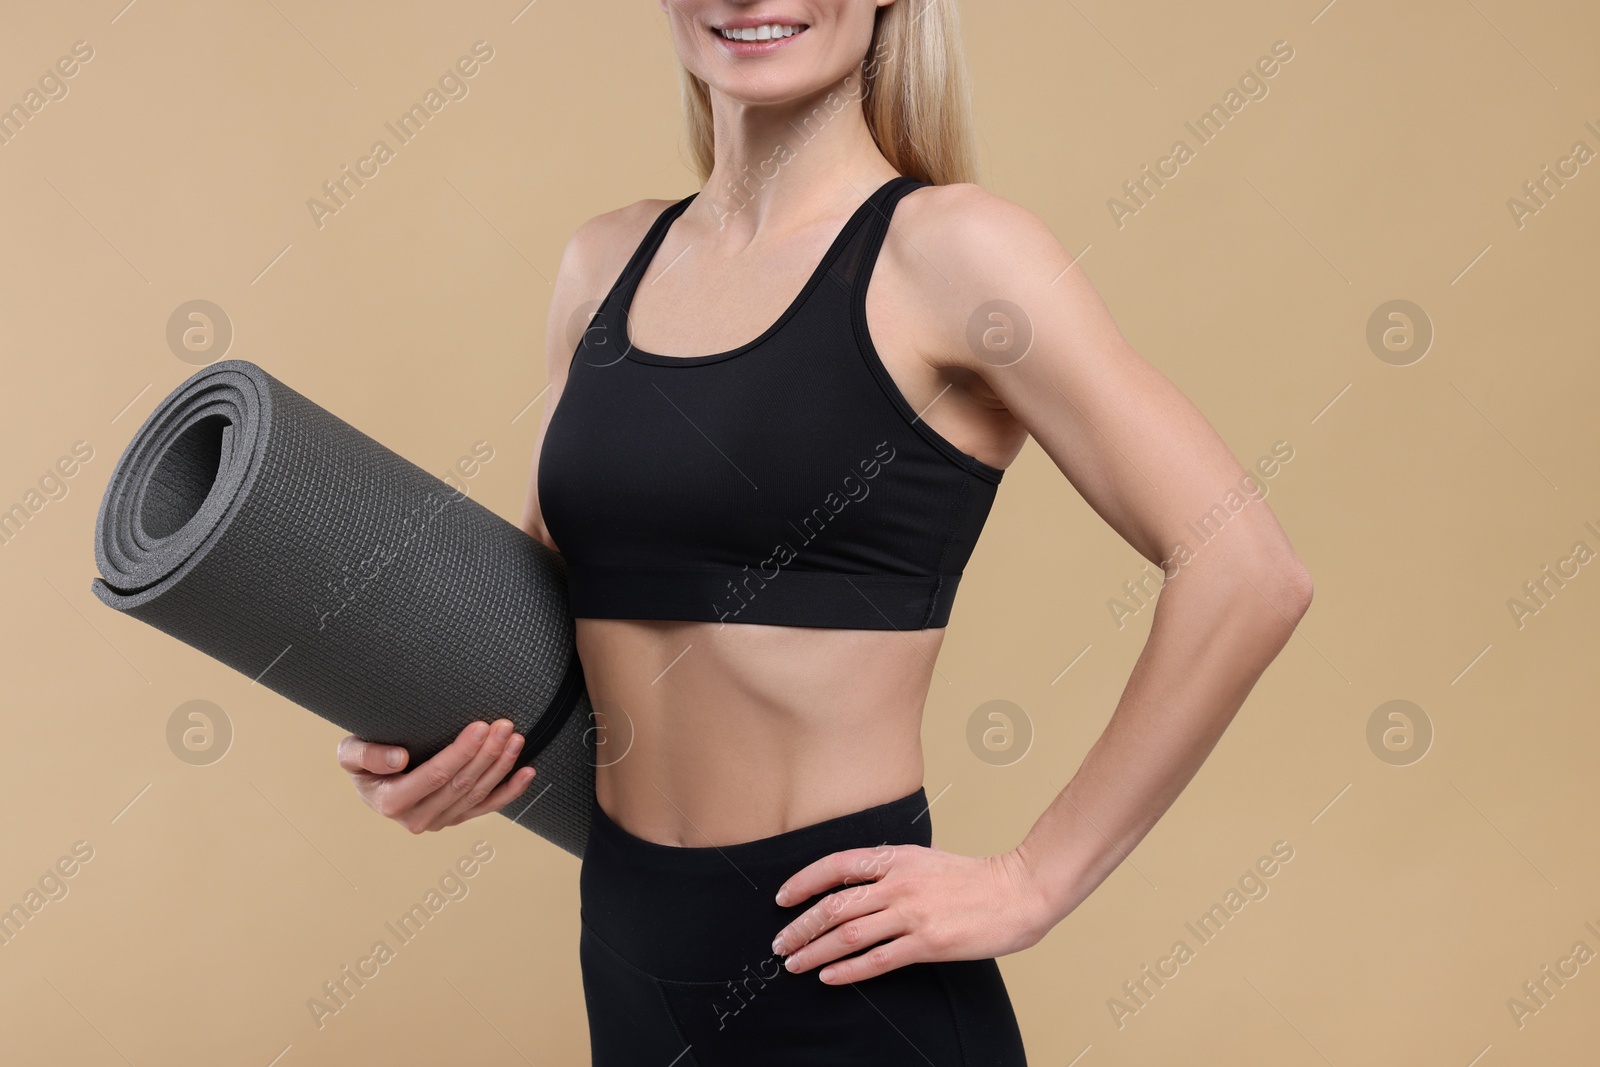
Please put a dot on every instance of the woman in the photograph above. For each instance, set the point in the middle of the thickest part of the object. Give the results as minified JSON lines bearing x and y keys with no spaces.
{"x":766,"y":500}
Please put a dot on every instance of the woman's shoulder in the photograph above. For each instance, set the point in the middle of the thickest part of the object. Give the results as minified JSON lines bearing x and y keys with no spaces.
{"x":967,"y":254}
{"x":967,"y":226}
{"x":599,"y":248}
{"x":591,"y":263}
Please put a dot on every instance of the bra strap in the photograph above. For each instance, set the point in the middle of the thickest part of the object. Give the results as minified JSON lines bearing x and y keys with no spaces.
{"x":863,"y":245}
{"x":629,"y":279}
{"x":857,"y":261}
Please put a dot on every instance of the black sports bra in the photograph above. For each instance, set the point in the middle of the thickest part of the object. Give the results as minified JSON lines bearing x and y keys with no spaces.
{"x":786,"y":481}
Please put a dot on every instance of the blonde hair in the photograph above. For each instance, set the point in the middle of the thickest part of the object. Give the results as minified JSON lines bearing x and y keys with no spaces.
{"x":917,"y":102}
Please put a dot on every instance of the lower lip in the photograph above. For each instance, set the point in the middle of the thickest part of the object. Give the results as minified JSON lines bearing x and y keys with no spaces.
{"x":757,"y":48}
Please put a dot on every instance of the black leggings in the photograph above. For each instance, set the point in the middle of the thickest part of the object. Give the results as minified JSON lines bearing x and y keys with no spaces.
{"x":678,"y":967}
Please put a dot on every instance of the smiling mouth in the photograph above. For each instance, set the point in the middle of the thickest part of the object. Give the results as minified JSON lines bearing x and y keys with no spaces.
{"x":766,"y":33}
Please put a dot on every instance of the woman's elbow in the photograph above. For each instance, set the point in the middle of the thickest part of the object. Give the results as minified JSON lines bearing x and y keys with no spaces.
{"x":1292,"y":588}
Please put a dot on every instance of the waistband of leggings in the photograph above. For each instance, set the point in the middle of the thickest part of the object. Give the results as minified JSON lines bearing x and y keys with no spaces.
{"x":701,"y":913}
{"x":905,"y":820}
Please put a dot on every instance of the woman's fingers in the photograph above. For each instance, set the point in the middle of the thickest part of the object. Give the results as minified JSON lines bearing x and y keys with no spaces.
{"x":397,"y":796}
{"x":879,"y":959}
{"x":466,"y":779}
{"x":504,"y":793}
{"x":488,"y":778}
{"x":848,"y":936}
{"x":850,"y":867}
{"x":837,"y":907}
{"x":427,"y":813}
{"x":356,"y":756}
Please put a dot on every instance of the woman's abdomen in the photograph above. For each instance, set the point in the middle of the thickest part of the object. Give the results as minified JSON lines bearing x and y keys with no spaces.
{"x":711,"y":733}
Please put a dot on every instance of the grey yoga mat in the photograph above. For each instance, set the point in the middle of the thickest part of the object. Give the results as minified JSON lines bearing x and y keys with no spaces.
{"x":248,"y":522}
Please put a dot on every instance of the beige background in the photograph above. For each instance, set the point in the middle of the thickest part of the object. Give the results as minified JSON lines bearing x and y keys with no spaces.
{"x":1420,"y":898}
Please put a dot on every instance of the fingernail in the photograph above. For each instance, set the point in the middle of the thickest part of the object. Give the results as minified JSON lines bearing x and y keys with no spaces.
{"x":394,"y":757}
{"x":777,"y":945}
{"x":783,"y":895}
{"x":791,"y":963}
{"x":514,"y":745}
{"x":827,"y":973}
{"x":502,"y":728}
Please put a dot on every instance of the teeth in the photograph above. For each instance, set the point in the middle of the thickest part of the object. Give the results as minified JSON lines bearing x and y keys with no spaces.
{"x":761,"y":33}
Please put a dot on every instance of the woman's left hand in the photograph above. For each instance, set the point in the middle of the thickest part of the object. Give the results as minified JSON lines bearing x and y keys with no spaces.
{"x":923,"y":904}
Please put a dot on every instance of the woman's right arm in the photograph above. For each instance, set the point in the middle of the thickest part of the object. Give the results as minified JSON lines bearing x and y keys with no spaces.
{"x":468,"y":778}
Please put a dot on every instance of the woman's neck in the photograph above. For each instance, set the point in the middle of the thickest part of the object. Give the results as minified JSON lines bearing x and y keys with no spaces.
{"x":793,"y":160}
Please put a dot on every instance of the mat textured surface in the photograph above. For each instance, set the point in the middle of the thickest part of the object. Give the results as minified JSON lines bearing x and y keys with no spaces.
{"x":251,"y":524}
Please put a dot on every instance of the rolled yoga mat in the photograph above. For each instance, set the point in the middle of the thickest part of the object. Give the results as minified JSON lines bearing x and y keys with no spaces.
{"x":251,"y":524}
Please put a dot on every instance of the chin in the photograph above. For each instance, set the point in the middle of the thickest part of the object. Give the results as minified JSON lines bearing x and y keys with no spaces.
{"x":774,"y":53}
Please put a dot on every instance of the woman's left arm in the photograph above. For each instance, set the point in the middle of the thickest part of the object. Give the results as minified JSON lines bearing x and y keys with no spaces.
{"x":1142,"y":455}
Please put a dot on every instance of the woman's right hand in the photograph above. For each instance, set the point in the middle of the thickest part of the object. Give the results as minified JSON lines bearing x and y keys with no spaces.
{"x":460,"y":783}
